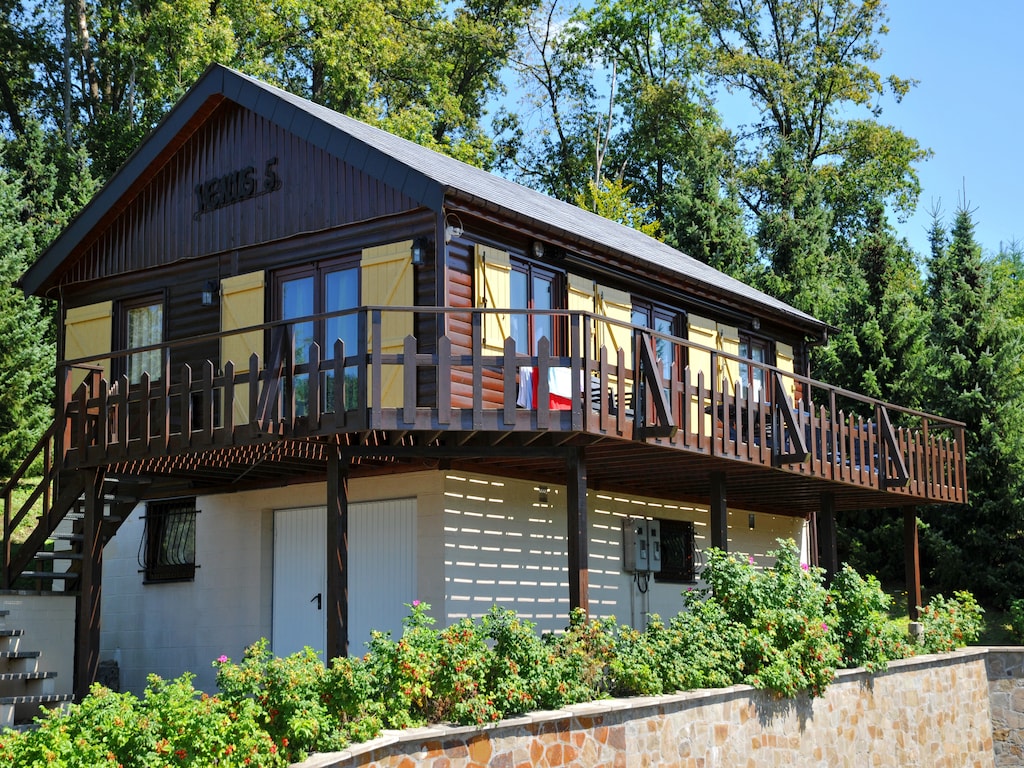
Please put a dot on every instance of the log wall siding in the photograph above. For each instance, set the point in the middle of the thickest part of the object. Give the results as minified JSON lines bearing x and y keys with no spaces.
{"x":160,"y":225}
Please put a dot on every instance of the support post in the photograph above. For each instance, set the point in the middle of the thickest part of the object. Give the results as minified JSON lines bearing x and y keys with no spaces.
{"x":912,"y":560}
{"x":87,"y":620}
{"x":576,"y":512}
{"x":828,"y":552}
{"x":337,"y":555}
{"x":719,"y":513}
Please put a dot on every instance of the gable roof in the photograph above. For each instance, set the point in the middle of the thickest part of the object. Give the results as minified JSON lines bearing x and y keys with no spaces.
{"x":422,"y":174}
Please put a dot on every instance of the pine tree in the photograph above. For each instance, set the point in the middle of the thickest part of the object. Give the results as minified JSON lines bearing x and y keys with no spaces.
{"x":975,"y":376}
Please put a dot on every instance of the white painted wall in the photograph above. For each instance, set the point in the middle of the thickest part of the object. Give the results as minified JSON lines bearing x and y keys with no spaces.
{"x":479,"y":541}
{"x":172,"y":628}
{"x":504,"y":546}
{"x":48,"y":620}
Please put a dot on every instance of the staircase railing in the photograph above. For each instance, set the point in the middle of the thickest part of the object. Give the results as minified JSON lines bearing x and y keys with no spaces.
{"x":41,"y":497}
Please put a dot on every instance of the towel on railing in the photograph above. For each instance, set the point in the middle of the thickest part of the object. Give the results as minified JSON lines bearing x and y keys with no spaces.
{"x":559,"y":388}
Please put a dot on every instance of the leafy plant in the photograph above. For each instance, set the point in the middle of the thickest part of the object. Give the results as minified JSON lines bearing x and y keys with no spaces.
{"x":868,"y":637}
{"x":951,"y":624}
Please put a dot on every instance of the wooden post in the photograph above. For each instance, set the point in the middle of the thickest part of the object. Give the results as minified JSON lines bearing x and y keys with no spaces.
{"x":576,"y":512}
{"x":87,"y":620}
{"x":912,"y":560}
{"x":719,"y":513}
{"x":337,"y":555}
{"x":828,"y":552}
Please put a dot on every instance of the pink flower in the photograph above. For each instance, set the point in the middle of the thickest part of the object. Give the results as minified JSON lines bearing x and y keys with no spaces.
{"x":415,"y":603}
{"x":222,"y":659}
{"x":824,"y":626}
{"x":805,"y":566}
{"x":750,"y":559}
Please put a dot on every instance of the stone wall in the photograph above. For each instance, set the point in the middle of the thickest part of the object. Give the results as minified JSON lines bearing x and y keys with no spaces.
{"x":1006,"y":696}
{"x":930,"y":711}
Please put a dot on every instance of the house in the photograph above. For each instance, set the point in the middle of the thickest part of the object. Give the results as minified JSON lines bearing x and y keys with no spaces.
{"x":309,"y":372}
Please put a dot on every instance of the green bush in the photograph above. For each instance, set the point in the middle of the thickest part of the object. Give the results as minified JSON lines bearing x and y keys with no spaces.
{"x":1016,"y":613}
{"x":778,"y":629}
{"x":786,"y":615}
{"x":868,"y":637}
{"x":172,"y":724}
{"x":951,"y":624}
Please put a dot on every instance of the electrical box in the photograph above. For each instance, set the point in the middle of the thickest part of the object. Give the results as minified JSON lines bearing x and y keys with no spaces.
{"x":641,"y":543}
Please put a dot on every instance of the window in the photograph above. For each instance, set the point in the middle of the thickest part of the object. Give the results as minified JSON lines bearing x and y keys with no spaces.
{"x":534,"y":287}
{"x":168,"y":549}
{"x":753,"y":377}
{"x":677,"y":549}
{"x":661,"y":320}
{"x":315,"y":290}
{"x":142,"y":325}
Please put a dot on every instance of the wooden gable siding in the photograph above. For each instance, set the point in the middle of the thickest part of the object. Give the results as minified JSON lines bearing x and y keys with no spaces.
{"x":162,"y":224}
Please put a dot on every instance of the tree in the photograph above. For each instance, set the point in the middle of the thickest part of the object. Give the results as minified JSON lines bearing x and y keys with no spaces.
{"x":37,"y":193}
{"x":809,"y":164}
{"x":975,"y":376}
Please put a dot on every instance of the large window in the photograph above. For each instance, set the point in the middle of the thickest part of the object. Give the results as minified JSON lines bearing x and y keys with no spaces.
{"x":142,"y":325}
{"x":753,"y":377}
{"x":664,"y":321}
{"x":534,"y":287}
{"x":319,"y":289}
{"x":168,"y":548}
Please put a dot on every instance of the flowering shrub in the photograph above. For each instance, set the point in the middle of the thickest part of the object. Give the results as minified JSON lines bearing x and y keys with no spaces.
{"x":778,"y":629}
{"x":173,"y":724}
{"x":950,"y":624}
{"x":294,"y":696}
{"x":785,"y":615}
{"x":869,"y":638}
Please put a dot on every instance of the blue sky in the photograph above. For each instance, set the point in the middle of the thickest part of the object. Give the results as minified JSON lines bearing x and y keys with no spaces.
{"x":967,"y":108}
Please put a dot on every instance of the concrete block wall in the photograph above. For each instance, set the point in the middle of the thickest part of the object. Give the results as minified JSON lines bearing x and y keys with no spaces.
{"x":929,"y":712}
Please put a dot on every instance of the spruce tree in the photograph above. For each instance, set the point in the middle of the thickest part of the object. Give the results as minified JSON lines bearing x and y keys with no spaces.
{"x":974,"y":376}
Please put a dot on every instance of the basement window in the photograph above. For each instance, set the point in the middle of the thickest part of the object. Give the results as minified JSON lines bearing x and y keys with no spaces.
{"x":677,"y":545}
{"x":168,"y":548}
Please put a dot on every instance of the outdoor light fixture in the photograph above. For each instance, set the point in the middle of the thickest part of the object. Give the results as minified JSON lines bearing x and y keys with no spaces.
{"x":538,"y":249}
{"x":209,"y":295}
{"x":750,"y":520}
{"x":542,"y":494}
{"x":419,"y":251}
{"x":452,"y":227}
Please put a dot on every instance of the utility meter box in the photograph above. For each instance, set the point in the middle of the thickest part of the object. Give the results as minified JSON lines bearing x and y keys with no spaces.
{"x":641,"y":543}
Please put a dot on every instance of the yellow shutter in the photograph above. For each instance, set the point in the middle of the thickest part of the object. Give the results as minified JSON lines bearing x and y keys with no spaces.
{"x":88,"y":332}
{"x":242,"y":304}
{"x":494,"y":291}
{"x":580,"y":298}
{"x":615,"y":305}
{"x":701,"y":331}
{"x":729,"y":342}
{"x":784,"y":361}
{"x":386,"y":274}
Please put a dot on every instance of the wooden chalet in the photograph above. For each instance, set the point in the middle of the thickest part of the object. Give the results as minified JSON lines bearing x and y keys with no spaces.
{"x":273,"y":298}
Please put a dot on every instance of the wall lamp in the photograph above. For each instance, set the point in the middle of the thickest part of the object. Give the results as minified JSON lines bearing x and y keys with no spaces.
{"x":537,"y":248}
{"x":452,"y":227}
{"x":209,"y":294}
{"x":750,"y":521}
{"x":419,"y":251}
{"x":542,"y":494}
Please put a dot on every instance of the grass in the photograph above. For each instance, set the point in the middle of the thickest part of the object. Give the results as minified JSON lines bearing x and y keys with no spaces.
{"x":20,"y":495}
{"x":997,"y":623}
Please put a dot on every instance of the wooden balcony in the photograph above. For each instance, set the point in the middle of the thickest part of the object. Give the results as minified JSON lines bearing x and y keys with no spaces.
{"x":443,"y":399}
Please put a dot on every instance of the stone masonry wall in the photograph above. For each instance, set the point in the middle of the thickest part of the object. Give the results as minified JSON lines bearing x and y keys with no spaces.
{"x":1006,"y":696}
{"x":927,"y":712}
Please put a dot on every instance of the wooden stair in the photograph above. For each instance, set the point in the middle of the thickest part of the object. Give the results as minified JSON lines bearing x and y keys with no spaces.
{"x":50,"y":558}
{"x":25,"y":691}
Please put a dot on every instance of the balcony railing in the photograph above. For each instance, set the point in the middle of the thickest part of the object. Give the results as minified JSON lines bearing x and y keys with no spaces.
{"x":663,"y":390}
